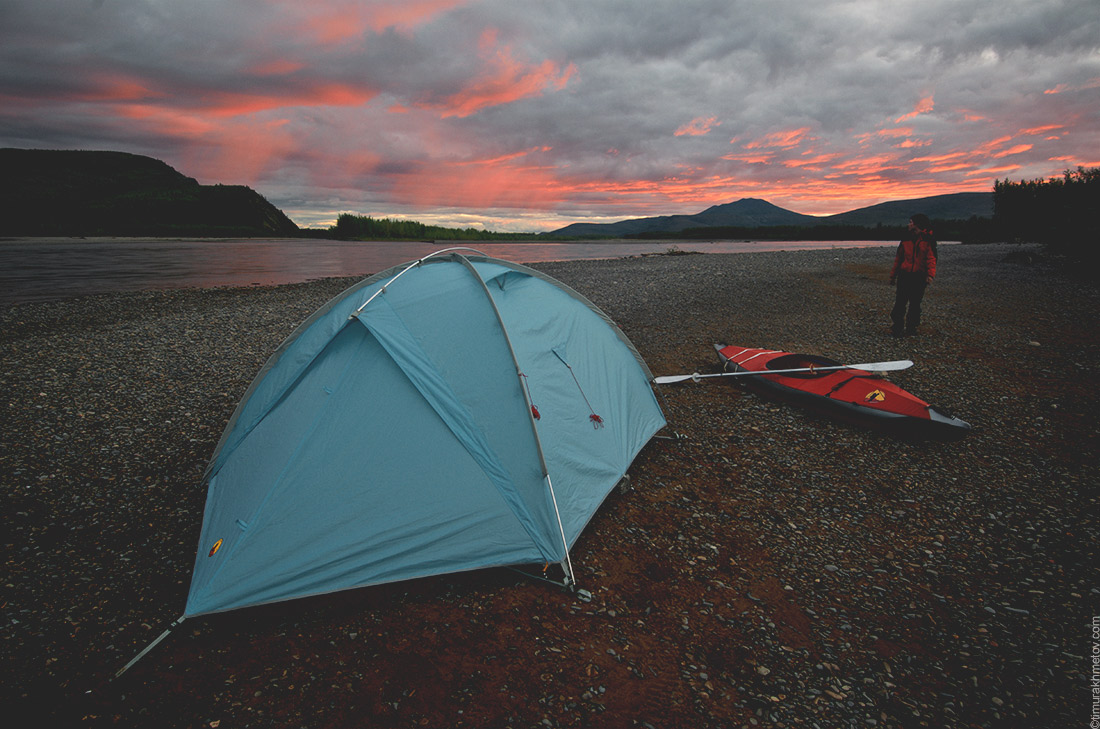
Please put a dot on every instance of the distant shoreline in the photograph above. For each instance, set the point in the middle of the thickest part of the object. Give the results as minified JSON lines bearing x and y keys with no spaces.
{"x":44,"y":269}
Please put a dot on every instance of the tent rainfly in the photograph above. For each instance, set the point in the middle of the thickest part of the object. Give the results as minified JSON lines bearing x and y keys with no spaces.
{"x":457,"y":413}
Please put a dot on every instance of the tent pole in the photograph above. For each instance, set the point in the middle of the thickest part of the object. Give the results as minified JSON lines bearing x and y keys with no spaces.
{"x":149,"y":647}
{"x":410,"y":267}
{"x":567,"y":563}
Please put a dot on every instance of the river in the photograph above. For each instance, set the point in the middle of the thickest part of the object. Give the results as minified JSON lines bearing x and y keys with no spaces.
{"x":49,"y":269}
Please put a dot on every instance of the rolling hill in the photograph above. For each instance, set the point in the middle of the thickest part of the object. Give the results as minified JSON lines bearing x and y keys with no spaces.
{"x":957,"y":206}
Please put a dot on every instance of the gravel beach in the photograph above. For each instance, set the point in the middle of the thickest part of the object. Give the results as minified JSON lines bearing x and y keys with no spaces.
{"x":766,"y":567}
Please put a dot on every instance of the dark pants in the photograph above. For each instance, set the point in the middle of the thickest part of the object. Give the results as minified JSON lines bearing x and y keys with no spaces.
{"x":909,"y":294}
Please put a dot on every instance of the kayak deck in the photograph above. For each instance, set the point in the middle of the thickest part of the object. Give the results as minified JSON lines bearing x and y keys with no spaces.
{"x":853,"y":395}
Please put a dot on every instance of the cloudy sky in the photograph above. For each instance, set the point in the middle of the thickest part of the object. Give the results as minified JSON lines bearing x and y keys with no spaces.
{"x":527,"y":115}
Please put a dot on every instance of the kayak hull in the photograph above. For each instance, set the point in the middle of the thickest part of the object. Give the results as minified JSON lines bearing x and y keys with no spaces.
{"x":854,"y":396}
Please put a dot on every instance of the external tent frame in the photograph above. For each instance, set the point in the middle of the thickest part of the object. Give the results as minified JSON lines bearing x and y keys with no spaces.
{"x":567,"y":563}
{"x":391,"y":275}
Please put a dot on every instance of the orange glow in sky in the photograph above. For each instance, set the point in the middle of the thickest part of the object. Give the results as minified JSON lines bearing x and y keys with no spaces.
{"x":524,"y":116}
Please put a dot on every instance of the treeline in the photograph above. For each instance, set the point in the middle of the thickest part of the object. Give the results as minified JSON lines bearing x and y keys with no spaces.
{"x":364,"y":227}
{"x":1063,"y":213}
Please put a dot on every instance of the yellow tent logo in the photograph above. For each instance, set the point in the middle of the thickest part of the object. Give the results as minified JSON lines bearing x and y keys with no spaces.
{"x":215,"y":548}
{"x":875,"y":396}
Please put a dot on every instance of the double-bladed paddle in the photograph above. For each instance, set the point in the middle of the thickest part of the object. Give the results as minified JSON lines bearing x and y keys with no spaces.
{"x":899,"y":364}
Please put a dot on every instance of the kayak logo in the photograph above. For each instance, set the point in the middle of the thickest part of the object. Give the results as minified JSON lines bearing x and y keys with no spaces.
{"x":875,"y":396}
{"x":215,"y":548}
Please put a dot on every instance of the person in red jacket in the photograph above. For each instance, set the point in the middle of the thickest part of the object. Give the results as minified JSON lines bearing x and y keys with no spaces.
{"x":914,"y":268}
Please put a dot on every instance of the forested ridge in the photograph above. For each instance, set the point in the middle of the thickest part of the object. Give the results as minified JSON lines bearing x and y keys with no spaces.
{"x":86,"y":193}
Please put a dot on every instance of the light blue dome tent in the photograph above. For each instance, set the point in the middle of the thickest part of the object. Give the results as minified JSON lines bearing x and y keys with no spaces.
{"x":457,"y":413}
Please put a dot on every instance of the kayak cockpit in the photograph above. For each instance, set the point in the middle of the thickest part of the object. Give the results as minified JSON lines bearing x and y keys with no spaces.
{"x":800,"y":361}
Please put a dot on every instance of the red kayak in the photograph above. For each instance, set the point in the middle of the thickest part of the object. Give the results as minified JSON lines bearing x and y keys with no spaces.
{"x":853,"y":395}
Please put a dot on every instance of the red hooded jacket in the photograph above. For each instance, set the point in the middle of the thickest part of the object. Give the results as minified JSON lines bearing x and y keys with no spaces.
{"x":915,"y":256}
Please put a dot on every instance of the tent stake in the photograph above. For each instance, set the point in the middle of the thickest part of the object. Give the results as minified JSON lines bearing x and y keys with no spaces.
{"x":565,"y":583}
{"x":149,"y":647}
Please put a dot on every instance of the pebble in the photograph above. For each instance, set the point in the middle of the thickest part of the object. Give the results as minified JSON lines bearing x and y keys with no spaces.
{"x":767,"y":566}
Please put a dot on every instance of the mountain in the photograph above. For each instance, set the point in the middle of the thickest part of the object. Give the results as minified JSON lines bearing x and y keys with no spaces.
{"x":753,"y":213}
{"x":747,"y":212}
{"x":750,"y":212}
{"x":80,"y":193}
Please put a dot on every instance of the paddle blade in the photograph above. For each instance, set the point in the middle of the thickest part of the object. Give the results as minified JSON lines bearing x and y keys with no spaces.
{"x":899,"y":364}
{"x":669,"y":379}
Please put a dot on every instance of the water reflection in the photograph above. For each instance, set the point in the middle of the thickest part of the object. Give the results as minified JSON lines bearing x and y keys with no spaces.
{"x":50,"y":269}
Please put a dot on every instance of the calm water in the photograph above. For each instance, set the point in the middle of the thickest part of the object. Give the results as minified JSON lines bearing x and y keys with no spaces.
{"x":49,"y":269}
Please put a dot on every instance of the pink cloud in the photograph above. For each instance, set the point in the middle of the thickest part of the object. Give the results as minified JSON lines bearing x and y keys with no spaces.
{"x":899,"y":132}
{"x":752,"y":159}
{"x":511,"y":180}
{"x":241,"y":153}
{"x":137,"y":94}
{"x":783,"y":139}
{"x":923,"y":106}
{"x":815,"y":162}
{"x":1043,"y":129}
{"x":991,"y":145}
{"x":1018,"y":149}
{"x":868,"y":137}
{"x":171,"y":122}
{"x":970,"y":116}
{"x":118,"y":87}
{"x":950,"y":167}
{"x":940,"y":157}
{"x":1092,"y":83}
{"x":320,"y":94}
{"x":504,"y":80}
{"x":508,"y":83}
{"x":226,"y":151}
{"x":990,"y":173}
{"x":407,"y":13}
{"x":337,"y":21}
{"x":866,"y":165}
{"x":276,"y":68}
{"x":698,"y":127}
